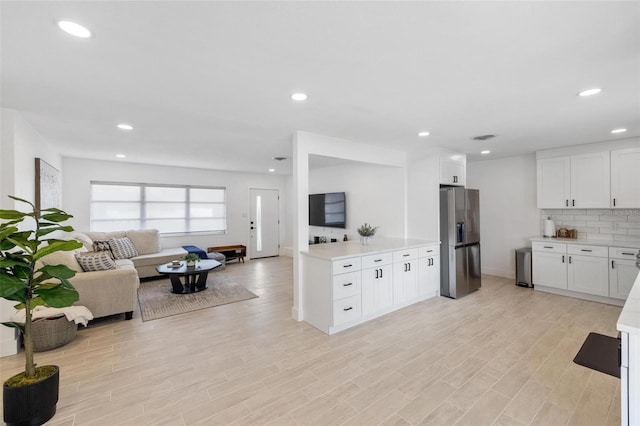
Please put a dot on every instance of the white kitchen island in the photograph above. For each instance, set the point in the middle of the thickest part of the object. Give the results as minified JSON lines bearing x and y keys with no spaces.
{"x":629,"y":327}
{"x":347,"y":283}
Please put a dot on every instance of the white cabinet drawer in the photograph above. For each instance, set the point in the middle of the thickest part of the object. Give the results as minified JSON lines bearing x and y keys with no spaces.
{"x":428,"y":251}
{"x":551,"y":247}
{"x":584,"y":250}
{"x":346,"y":285}
{"x":623,"y":253}
{"x":346,"y":310}
{"x":346,"y":265}
{"x":403,"y":255}
{"x":376,"y":260}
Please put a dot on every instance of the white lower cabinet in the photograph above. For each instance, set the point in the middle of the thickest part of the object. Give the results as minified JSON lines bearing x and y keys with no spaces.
{"x":622,"y":271}
{"x":338,"y":294}
{"x":582,"y":269}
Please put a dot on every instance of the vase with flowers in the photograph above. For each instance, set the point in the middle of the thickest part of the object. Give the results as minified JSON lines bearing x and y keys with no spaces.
{"x":366,"y":231}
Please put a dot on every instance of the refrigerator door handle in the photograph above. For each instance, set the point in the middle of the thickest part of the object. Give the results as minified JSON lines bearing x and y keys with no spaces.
{"x":460,"y":232}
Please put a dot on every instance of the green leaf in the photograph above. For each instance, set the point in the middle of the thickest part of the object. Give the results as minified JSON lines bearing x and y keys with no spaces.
{"x":55,"y":246}
{"x":58,"y":271}
{"x":6,"y":231}
{"x":10,"y":284}
{"x":10,"y":263}
{"x":42,"y":232}
{"x":18,"y":325}
{"x":12,"y":214}
{"x":56,"y":216}
{"x":13,"y":197}
{"x":59,"y":296}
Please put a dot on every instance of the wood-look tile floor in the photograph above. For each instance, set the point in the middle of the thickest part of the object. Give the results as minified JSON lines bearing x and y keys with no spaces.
{"x":500,"y":356}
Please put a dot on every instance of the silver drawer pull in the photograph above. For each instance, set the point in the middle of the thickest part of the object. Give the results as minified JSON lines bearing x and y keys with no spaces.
{"x":348,"y":309}
{"x":378,"y":260}
{"x":586,"y":250}
{"x":347,"y":284}
{"x":548,"y":246}
{"x":347,"y":266}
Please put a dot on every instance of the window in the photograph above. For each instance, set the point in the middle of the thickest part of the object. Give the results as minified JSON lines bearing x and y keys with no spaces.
{"x":169,"y":208}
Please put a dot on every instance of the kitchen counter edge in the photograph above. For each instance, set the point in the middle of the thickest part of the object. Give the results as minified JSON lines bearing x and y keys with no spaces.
{"x":347,"y":249}
{"x":593,"y":242}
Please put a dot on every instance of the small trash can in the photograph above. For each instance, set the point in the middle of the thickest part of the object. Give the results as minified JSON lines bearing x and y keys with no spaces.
{"x":523,"y":267}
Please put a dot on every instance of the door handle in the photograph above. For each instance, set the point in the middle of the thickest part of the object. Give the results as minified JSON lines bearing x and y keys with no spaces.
{"x":569,"y":259}
{"x":614,"y":202}
{"x":573,"y":203}
{"x":613,"y":264}
{"x":347,"y":284}
{"x":563,"y":259}
{"x":348,"y":309}
{"x":380,"y":272}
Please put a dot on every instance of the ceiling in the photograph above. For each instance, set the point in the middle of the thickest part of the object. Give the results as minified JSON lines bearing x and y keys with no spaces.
{"x":207,"y":84}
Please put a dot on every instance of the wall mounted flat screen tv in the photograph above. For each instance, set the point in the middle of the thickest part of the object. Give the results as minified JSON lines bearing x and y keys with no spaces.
{"x":329,"y":210}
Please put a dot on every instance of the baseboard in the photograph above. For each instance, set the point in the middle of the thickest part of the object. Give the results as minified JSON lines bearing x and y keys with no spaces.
{"x":296,"y":314}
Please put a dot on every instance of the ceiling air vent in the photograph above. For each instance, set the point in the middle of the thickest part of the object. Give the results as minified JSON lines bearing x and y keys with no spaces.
{"x":483,"y":137}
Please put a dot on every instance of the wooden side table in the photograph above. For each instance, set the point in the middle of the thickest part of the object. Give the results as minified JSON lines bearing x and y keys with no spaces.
{"x":231,"y":252}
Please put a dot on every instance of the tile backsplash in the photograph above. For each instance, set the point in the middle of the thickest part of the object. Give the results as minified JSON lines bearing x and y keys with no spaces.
{"x":614,"y":224}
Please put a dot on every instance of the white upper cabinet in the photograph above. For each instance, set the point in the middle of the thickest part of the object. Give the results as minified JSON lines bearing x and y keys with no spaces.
{"x":574,"y":181}
{"x":554,"y":182}
{"x":625,"y":178}
{"x":590,"y":180}
{"x":453,"y":169}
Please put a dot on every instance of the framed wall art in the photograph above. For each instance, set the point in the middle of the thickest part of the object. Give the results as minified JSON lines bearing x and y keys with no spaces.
{"x":48,"y":191}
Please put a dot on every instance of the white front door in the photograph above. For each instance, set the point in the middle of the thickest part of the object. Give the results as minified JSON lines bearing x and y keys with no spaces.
{"x":264,"y":223}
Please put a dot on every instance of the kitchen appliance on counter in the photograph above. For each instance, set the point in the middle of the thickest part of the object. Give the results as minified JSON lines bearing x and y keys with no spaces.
{"x":460,"y":237}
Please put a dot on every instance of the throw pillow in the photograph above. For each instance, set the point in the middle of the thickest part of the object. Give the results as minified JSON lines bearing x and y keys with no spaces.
{"x":102,"y":245}
{"x":95,"y":261}
{"x":66,"y":258}
{"x":122,"y":248}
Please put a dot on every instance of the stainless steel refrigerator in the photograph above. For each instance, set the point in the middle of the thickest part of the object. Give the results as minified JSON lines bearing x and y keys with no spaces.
{"x":460,"y":241}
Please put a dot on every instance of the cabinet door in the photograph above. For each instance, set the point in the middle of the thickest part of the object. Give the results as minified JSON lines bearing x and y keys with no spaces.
{"x":625,"y":178}
{"x":590,"y":180}
{"x":377,"y":290}
{"x":429,"y":275}
{"x":452,"y":171}
{"x":550,"y":269}
{"x":554,"y":182}
{"x":622,"y":274}
{"x":588,"y":274}
{"x":405,"y":281}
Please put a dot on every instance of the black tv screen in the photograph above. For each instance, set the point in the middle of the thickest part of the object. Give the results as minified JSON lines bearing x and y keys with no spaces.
{"x":328,"y":210}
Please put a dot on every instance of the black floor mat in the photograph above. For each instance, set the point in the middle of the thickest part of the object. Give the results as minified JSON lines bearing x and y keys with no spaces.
{"x":600,"y":353}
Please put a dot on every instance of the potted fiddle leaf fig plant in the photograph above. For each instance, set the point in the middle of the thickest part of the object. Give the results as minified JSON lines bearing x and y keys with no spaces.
{"x":30,"y":397}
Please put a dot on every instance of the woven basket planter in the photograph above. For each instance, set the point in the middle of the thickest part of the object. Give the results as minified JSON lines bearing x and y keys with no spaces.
{"x":50,"y":333}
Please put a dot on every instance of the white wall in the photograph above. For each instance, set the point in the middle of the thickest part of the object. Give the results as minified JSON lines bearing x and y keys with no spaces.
{"x":20,"y":144}
{"x":374,"y":194}
{"x":423,"y":214}
{"x":508,"y":212}
{"x":80,"y":172}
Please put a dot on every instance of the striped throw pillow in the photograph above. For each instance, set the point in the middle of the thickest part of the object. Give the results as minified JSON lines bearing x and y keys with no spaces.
{"x":122,"y":248}
{"x":95,"y":261}
{"x":102,"y":245}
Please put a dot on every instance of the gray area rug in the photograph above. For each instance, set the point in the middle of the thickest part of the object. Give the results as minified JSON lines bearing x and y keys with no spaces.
{"x":156,"y":300}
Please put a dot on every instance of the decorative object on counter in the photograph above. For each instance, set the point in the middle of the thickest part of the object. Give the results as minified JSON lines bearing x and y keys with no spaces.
{"x":366,"y":231}
{"x":549,"y":228}
{"x":563,"y":233}
{"x":323,"y":240}
{"x":334,"y":240}
{"x":573,"y":233}
{"x":345,"y":238}
{"x":191,"y":259}
{"x":316,"y":240}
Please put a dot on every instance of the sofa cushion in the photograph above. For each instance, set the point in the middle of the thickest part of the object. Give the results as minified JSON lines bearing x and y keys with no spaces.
{"x":102,"y":245}
{"x":95,"y":261}
{"x":155,"y":259}
{"x":106,"y":235}
{"x":66,"y":258}
{"x":146,"y":241}
{"x":124,"y":264}
{"x":122,"y":248}
{"x":82,"y":238}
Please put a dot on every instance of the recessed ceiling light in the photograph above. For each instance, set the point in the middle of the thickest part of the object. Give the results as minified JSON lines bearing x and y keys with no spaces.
{"x":272,"y":170}
{"x":123,"y":126}
{"x":485,"y":152}
{"x":590,"y":92}
{"x":423,"y":134}
{"x":121,"y":156}
{"x":74,"y":29}
{"x":299,"y":96}
{"x":618,"y":130}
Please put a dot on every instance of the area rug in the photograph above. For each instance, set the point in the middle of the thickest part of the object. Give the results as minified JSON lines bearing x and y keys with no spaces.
{"x":157,"y":301}
{"x":600,"y":352}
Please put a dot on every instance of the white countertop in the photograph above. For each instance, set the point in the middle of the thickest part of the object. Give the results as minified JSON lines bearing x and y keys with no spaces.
{"x":591,"y":242}
{"x":344,"y":249}
{"x":629,"y":319}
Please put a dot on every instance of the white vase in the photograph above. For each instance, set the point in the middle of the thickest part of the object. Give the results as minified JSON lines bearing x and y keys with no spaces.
{"x":364,"y":240}
{"x":191,"y":263}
